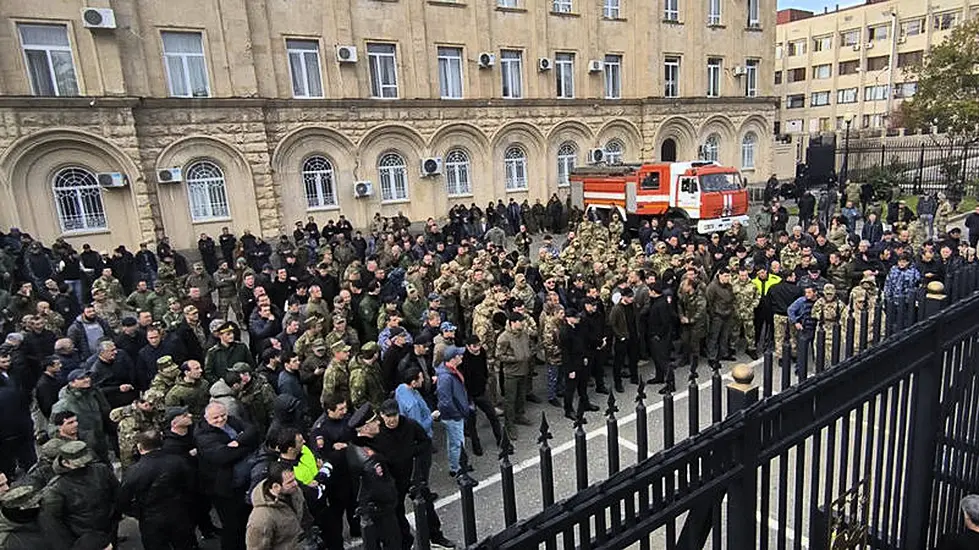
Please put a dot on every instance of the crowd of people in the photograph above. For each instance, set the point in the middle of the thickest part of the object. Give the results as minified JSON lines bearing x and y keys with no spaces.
{"x":295,"y":389}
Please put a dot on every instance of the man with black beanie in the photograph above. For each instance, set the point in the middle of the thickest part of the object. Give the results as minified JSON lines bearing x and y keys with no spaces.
{"x":574,"y":366}
{"x":476,"y":373}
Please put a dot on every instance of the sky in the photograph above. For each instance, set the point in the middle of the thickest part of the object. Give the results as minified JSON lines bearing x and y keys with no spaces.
{"x":816,"y":5}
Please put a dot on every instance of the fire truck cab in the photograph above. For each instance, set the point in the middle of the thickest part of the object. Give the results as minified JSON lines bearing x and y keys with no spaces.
{"x":701,"y":193}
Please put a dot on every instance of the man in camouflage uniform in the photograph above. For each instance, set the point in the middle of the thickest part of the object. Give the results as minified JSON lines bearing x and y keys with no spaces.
{"x":342,"y":332}
{"x":174,"y":315}
{"x":311,"y":372}
{"x":550,"y":337}
{"x":366,"y":381}
{"x":191,"y":390}
{"x":942,"y":214}
{"x":472,"y":293}
{"x":256,"y":396}
{"x":107,"y":308}
{"x":482,"y":328}
{"x":138,"y":416}
{"x":111,"y":286}
{"x":313,"y":332}
{"x":336,"y":379}
{"x":223,"y":355}
{"x":746,"y":299}
{"x":615,"y":228}
{"x":864,"y":298}
{"x":447,"y":286}
{"x":167,"y":373}
{"x":692,"y":310}
{"x":141,"y":298}
{"x":226,"y":282}
{"x":522,"y":241}
{"x":791,"y":256}
{"x":167,"y":282}
{"x":413,"y":308}
{"x":831,"y":313}
{"x":523,"y":292}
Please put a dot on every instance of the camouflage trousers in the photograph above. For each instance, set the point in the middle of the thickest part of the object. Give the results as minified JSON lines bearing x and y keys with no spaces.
{"x":224,"y":304}
{"x":743,"y":324}
{"x":781,"y":322}
{"x":493,"y":389}
{"x":828,"y":330}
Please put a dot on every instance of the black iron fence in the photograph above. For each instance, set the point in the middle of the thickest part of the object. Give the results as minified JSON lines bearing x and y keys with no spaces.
{"x":876,"y":440}
{"x":922,"y":166}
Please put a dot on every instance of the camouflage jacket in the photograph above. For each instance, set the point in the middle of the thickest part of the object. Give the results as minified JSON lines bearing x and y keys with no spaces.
{"x":257,"y":398}
{"x":226,"y":282}
{"x":366,"y":385}
{"x":336,"y":380}
{"x":132,"y":421}
{"x":195,"y":396}
{"x":745,"y":298}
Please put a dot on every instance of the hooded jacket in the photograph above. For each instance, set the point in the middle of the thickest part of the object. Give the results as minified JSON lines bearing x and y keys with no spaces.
{"x":92,"y":410}
{"x":276,"y":523}
{"x":79,"y":501}
{"x":222,"y":393}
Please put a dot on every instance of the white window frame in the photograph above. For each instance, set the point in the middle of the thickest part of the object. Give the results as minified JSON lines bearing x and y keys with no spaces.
{"x":754,"y":13}
{"x":78,"y":188}
{"x":855,"y":63}
{"x":299,"y":54}
{"x":847,"y":95}
{"x":822,"y":43}
{"x":612,"y":72}
{"x":917,"y":25}
{"x":875,"y":120}
{"x":751,"y":77}
{"x":207,"y":192}
{"x":567,"y":157}
{"x":450,"y":72}
{"x":877,"y":92}
{"x":50,"y":51}
{"x":788,"y":102}
{"x":561,"y":6}
{"x":671,"y":82}
{"x":847,"y":37}
{"x":184,"y":58}
{"x":876,"y":33}
{"x":946,"y":20}
{"x":515,"y":168}
{"x":798,"y":47}
{"x":392,"y":171}
{"x":714,"y":76}
{"x":713,"y":12}
{"x":564,"y":74}
{"x":458,"y":173}
{"x":506,"y":3}
{"x":377,"y":61}
{"x":319,"y":183}
{"x":711,"y":148}
{"x":671,"y":10}
{"x":819,"y":99}
{"x":827,"y":68}
{"x":611,"y":9}
{"x":749,"y":148}
{"x":614,"y":151}
{"x":511,"y":73}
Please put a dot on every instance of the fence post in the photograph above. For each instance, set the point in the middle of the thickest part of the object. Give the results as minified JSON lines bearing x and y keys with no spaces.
{"x":546,"y":463}
{"x":925,"y":429}
{"x":506,"y":483}
{"x":921,"y":167}
{"x":742,"y":494}
{"x":612,"y":445}
{"x":466,"y":484}
{"x":935,"y":299}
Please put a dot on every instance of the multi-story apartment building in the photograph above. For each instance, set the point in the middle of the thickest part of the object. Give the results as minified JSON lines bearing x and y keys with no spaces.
{"x":124,"y":119}
{"x":852,"y":63}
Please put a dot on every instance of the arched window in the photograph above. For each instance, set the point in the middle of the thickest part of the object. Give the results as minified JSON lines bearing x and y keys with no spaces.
{"x":748,"y":144}
{"x":394,"y":177}
{"x":208,"y":196}
{"x":712,"y":147}
{"x":457,"y":173}
{"x":515,"y":163}
{"x":567,"y":154}
{"x":614,"y":150}
{"x":318,"y":181}
{"x":78,"y":199}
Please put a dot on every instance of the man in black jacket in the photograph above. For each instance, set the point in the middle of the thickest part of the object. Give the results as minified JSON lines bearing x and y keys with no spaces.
{"x":224,"y":442}
{"x":575,"y":364}
{"x":377,"y":499}
{"x":408,"y":451}
{"x":476,"y":373}
{"x":80,"y":501}
{"x":158,"y":492}
{"x":330,"y":436}
{"x":593,"y":330}
{"x":178,"y":440}
{"x":662,"y":323}
{"x":114,"y":374}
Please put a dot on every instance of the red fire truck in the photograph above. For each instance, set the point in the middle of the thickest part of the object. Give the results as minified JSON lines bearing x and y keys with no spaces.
{"x":700,"y":193}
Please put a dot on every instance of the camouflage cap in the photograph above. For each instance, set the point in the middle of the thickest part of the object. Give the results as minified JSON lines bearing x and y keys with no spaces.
{"x":829,"y":289}
{"x":241,"y":367}
{"x":172,"y":301}
{"x":369,"y":347}
{"x":339,"y":346}
{"x":25,"y":497}
{"x":77,"y":452}
{"x":165,"y":362}
{"x":319,"y":343}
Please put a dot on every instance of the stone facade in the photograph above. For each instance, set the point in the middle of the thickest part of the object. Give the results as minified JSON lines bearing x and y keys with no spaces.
{"x":255,"y":137}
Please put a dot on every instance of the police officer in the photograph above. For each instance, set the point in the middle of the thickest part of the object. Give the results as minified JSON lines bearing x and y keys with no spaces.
{"x":377,"y":500}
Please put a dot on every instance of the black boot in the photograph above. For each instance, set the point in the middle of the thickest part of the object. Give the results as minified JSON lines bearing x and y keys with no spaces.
{"x":618,"y":387}
{"x":477,"y":447}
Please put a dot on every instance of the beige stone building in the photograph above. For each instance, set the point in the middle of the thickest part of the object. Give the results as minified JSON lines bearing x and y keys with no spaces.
{"x":124,"y":120}
{"x":852,"y":63}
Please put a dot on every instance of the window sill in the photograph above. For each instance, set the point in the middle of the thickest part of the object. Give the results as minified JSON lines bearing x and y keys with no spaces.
{"x":211,"y":220}
{"x":753,"y":28}
{"x":395,"y":201}
{"x":716,"y":26}
{"x":384,"y":98}
{"x":506,"y":9}
{"x":615,"y":19}
{"x":447,"y":3}
{"x":746,"y":169}
{"x":463,"y":196}
{"x":565,"y":14}
{"x":520,"y":190}
{"x":330,"y":208}
{"x":673,"y":21}
{"x":86,"y":232}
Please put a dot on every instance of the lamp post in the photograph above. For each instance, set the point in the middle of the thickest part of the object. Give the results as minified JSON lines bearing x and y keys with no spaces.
{"x":847,"y":120}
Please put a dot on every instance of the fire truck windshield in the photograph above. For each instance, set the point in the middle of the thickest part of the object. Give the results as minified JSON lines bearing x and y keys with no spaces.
{"x":720,"y":182}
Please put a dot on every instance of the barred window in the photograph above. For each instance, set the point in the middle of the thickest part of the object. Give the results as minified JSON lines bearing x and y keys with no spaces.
{"x":318,"y":182}
{"x":515,"y":163}
{"x":208,"y":196}
{"x":457,"y":173}
{"x":712,"y":147}
{"x":748,"y":144}
{"x":613,"y":152}
{"x":78,"y":200}
{"x":567,"y":154}
{"x":394,"y":177}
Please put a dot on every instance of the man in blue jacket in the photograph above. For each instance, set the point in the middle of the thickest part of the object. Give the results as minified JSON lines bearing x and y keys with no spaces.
{"x":411,"y":403}
{"x":453,"y":404}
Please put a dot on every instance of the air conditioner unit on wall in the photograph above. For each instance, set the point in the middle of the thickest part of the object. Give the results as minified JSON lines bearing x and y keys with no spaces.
{"x":544,"y":64}
{"x":595,"y":66}
{"x":486,"y":60}
{"x":596,"y":156}
{"x":363,"y":189}
{"x":739,"y":70}
{"x":856,"y":47}
{"x":170,"y":175}
{"x":431,"y":166}
{"x":869,"y":45}
{"x":112,"y":180}
{"x":98,"y":18}
{"x":347,"y":54}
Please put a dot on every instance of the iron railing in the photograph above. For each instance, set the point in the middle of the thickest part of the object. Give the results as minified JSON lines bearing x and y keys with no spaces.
{"x":923,"y":166}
